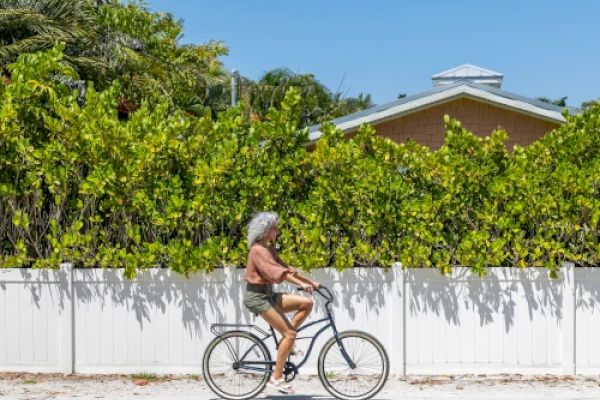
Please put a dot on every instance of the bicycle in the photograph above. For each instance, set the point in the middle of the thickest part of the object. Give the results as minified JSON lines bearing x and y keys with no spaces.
{"x":237,"y":364}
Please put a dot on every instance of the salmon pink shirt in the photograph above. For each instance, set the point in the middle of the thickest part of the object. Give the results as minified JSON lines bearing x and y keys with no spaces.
{"x":264,"y":266}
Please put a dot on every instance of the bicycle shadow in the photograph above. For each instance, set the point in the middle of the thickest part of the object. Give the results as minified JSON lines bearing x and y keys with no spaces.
{"x":306,"y":397}
{"x":297,"y":397}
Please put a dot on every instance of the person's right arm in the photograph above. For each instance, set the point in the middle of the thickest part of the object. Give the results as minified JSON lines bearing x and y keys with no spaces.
{"x":299,"y":278}
{"x":307,"y":280}
{"x":296,"y":280}
{"x":269,"y":268}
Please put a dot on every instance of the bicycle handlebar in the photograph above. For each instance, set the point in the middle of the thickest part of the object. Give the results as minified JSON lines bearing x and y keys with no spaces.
{"x":328,"y":296}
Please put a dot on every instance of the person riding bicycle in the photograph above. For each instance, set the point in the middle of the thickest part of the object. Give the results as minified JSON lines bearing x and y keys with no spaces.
{"x":263,"y":269}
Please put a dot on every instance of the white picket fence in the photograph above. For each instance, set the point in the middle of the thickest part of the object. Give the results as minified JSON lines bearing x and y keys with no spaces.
{"x":96,"y":321}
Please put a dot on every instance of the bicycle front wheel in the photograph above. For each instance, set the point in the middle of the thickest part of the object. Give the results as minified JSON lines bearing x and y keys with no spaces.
{"x":236,"y":365}
{"x":370,"y":371}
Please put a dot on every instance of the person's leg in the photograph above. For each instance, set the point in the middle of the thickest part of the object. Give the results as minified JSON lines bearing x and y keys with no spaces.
{"x":281,"y":324}
{"x":292,"y":302}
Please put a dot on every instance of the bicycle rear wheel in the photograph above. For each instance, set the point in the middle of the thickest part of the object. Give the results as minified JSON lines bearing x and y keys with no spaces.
{"x":223,"y":372}
{"x":370,"y":373}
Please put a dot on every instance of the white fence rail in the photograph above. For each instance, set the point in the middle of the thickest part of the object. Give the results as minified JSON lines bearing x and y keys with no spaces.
{"x":96,"y":321}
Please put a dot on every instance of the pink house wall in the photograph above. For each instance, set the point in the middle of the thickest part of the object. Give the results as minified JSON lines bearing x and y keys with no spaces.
{"x":427,"y":126}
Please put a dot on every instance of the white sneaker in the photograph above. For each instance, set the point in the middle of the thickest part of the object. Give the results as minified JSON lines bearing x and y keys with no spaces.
{"x":281,"y":386}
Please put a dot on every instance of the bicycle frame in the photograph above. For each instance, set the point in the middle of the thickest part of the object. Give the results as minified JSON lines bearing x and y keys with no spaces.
{"x":254,"y":365}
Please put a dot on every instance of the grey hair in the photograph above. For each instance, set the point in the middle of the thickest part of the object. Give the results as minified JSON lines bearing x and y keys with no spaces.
{"x":259,"y":225}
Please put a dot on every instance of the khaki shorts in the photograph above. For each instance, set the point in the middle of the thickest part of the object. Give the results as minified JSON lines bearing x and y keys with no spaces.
{"x":259,"y":298}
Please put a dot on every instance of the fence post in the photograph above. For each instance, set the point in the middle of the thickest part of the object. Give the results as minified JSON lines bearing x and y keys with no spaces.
{"x":569,"y":319}
{"x":67,"y":337}
{"x":232,"y":285}
{"x":404,"y":274}
{"x":398,"y":343}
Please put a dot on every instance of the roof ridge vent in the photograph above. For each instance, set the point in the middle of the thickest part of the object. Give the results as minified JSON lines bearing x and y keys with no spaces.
{"x":468,"y":72}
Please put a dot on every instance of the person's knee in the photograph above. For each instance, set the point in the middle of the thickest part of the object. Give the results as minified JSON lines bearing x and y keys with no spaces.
{"x":307,"y":305}
{"x":290,"y":334}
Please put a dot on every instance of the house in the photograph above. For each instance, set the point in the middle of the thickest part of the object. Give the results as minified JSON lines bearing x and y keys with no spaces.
{"x":469,"y":93}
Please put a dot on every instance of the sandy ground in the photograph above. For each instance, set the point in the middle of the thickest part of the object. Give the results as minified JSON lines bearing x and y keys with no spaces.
{"x":468,"y":387}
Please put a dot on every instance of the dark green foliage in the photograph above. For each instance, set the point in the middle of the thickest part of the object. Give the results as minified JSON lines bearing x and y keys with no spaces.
{"x":562,"y":102}
{"x":590,"y":103}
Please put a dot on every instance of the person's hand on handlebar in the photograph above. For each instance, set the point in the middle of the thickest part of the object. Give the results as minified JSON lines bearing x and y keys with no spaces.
{"x":306,"y":287}
{"x":303,"y":282}
{"x":314,"y":285}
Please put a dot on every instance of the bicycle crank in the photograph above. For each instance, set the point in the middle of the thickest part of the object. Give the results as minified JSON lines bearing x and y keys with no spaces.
{"x":289,"y":371}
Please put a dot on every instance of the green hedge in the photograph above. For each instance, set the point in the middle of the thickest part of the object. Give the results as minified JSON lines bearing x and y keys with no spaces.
{"x":78,"y":184}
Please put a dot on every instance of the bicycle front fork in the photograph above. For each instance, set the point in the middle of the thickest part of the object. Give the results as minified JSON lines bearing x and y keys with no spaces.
{"x":345,"y":354}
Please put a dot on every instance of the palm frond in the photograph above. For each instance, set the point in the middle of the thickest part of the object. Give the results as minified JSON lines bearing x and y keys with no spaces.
{"x":88,"y":62}
{"x":66,"y":10}
{"x":32,"y":23}
{"x":29,"y":45}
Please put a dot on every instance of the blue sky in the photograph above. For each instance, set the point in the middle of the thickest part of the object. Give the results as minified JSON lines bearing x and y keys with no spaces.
{"x":543,"y":48}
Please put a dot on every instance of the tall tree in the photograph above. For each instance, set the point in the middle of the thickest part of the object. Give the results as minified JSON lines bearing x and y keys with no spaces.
{"x":562,"y":102}
{"x":590,"y":103}
{"x":27,"y":26}
{"x":318,"y":102}
{"x":147,"y":58}
{"x":106,"y":40}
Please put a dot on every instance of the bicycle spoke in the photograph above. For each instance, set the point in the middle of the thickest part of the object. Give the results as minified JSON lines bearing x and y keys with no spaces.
{"x":363,"y":380}
{"x":236,"y":382}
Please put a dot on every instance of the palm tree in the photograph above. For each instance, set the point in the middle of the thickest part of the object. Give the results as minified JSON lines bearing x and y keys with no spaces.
{"x":32,"y":25}
{"x":107,"y":40}
{"x":318,"y":102}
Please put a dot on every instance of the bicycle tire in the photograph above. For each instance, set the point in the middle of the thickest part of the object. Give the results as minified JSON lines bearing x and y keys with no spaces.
{"x":328,"y":378}
{"x":213,"y":384}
